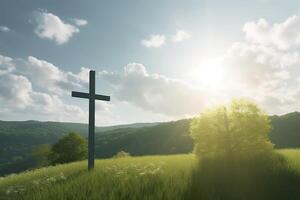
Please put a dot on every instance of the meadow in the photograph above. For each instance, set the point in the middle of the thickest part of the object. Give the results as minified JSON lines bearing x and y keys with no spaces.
{"x":147,"y":177}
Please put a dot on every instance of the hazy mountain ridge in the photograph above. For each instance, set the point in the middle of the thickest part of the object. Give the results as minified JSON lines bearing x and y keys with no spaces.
{"x":285,"y":131}
{"x":16,"y":127}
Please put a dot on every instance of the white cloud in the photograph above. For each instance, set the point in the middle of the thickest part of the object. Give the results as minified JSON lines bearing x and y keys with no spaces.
{"x":6,"y":65}
{"x":253,"y":66}
{"x":265,"y":67}
{"x":156,"y":93}
{"x":46,"y":75}
{"x":52,"y":27}
{"x":17,"y":94}
{"x":15,"y":90}
{"x":282,"y":35}
{"x":154,"y":41}
{"x":180,"y":36}
{"x":80,"y":22}
{"x":82,"y":76}
{"x":4,"y":29}
{"x":36,"y":88}
{"x":260,"y":73}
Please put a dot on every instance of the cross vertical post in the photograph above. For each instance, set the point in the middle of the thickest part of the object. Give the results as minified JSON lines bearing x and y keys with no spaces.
{"x":92,"y":97}
{"x":91,"y":147}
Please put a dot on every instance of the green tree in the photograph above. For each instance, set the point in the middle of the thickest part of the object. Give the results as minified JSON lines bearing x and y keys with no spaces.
{"x":235,"y":129}
{"x":72,"y":147}
{"x":41,"y":154}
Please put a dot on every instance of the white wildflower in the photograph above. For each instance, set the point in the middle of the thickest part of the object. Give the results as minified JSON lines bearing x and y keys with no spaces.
{"x":142,"y":173}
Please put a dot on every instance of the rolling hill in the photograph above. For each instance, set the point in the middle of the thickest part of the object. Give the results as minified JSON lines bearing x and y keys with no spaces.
{"x":154,"y":178}
{"x":18,"y":138}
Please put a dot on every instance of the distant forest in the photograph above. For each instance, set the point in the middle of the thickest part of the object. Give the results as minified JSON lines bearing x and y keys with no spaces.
{"x":17,"y":139}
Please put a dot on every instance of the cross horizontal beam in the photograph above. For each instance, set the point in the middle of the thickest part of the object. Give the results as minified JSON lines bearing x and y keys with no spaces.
{"x":87,"y":96}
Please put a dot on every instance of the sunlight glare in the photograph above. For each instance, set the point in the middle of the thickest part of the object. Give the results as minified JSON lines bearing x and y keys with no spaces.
{"x":209,"y":73}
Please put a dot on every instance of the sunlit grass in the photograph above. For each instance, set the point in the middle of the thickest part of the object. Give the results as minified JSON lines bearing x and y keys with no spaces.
{"x":148,"y":177}
{"x":293,"y":157}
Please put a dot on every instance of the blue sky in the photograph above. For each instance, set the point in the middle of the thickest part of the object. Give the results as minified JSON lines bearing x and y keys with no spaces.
{"x":159,"y":60}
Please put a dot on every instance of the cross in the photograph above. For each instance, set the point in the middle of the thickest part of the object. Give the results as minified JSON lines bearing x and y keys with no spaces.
{"x":92,"y":97}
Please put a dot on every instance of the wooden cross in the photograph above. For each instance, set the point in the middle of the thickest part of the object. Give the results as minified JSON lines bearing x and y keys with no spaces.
{"x":92,"y":97}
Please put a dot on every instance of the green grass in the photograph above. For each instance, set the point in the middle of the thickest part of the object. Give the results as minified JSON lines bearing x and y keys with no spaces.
{"x":154,"y":177}
{"x":148,"y":177}
{"x":293,"y":157}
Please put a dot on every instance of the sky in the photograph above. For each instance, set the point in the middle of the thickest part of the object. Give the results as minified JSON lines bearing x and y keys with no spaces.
{"x":158,"y":60}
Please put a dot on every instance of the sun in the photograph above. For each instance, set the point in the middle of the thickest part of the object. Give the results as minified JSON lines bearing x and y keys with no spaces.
{"x":208,"y":73}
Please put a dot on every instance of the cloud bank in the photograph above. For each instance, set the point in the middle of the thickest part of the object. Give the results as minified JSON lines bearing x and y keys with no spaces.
{"x":39,"y":88}
{"x":155,"y":92}
{"x":282,"y":35}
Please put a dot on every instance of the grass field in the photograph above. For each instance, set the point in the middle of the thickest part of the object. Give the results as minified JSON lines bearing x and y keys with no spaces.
{"x":148,"y":177}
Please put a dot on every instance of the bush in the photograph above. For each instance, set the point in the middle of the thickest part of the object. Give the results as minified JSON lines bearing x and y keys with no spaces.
{"x":236,"y":129}
{"x":72,"y":147}
{"x":122,"y":154}
{"x":236,"y":160}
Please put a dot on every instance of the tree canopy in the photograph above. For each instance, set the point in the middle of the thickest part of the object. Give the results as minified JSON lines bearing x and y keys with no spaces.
{"x":240,"y":127}
{"x":70,"y":148}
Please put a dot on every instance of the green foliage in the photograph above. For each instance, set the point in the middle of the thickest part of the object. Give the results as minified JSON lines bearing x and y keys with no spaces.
{"x":72,"y":147}
{"x":41,"y":154}
{"x":236,"y":129}
{"x":236,"y":158}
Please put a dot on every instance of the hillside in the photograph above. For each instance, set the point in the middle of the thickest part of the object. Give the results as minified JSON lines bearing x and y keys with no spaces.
{"x":286,"y":130}
{"x":134,"y":178}
{"x":147,"y":177}
{"x":18,"y":138}
{"x":164,"y":138}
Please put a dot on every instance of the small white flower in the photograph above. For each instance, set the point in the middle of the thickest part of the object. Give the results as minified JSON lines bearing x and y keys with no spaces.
{"x":142,"y":173}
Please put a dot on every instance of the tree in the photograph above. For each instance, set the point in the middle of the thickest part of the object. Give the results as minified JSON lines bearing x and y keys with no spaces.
{"x":72,"y":147}
{"x":41,"y":154}
{"x":236,"y":129}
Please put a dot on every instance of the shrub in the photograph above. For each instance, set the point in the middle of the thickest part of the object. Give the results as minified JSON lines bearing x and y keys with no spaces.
{"x":122,"y":154}
{"x":236,"y":129}
{"x":72,"y":147}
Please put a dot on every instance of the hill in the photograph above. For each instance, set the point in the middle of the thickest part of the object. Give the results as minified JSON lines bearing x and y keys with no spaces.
{"x":147,"y":177}
{"x":134,"y":178}
{"x":286,"y":130}
{"x":18,"y":138}
{"x":164,"y":138}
